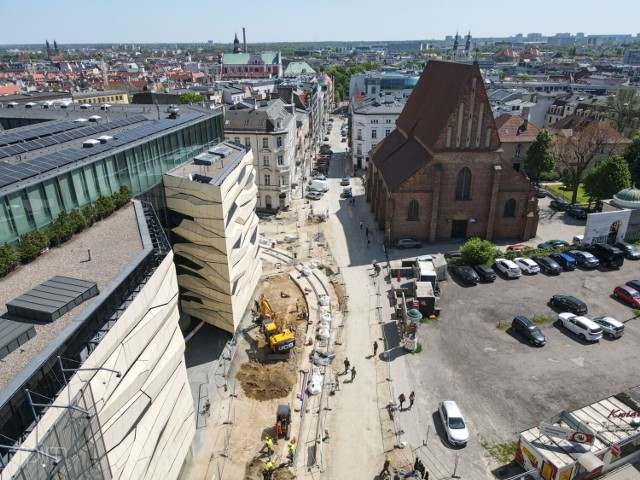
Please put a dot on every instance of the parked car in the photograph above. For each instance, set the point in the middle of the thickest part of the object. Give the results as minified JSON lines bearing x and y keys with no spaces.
{"x":344,"y":139}
{"x":581,"y":326}
{"x":635,"y":284}
{"x":326,"y":139}
{"x":529,"y":331}
{"x":630,"y":251}
{"x":319,"y":176}
{"x":584,"y":259}
{"x":627,"y":295}
{"x":453,"y":254}
{"x":467,"y":274}
{"x":485,"y":272}
{"x":557,"y":243}
{"x":611,"y":327}
{"x":567,"y":262}
{"x":516,"y":247}
{"x":548,"y":265}
{"x":559,"y":204}
{"x":408,"y":243}
{"x":314,"y":195}
{"x":608,"y":255}
{"x":345,"y":182}
{"x":454,"y":423}
{"x":568,"y":303}
{"x":545,"y":246}
{"x":577,"y":213}
{"x":527,"y":265}
{"x":541,"y":193}
{"x":507,"y":268}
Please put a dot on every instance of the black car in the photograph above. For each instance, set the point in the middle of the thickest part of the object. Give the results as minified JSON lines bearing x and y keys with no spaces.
{"x":545,"y":246}
{"x":630,"y":251}
{"x":577,"y":212}
{"x":485,"y":272}
{"x":529,"y":330}
{"x":559,"y":204}
{"x":635,"y":284}
{"x":557,"y":243}
{"x":453,"y":254}
{"x":568,"y":303}
{"x":467,"y":274}
{"x":548,"y":265}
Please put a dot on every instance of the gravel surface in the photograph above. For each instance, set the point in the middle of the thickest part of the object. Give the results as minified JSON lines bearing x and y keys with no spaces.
{"x":113,"y":242}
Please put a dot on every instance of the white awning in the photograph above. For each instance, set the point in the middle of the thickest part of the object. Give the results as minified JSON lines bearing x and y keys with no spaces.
{"x":589,"y":461}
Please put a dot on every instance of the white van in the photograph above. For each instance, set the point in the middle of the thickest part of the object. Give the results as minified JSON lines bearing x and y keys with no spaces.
{"x":319,"y":186}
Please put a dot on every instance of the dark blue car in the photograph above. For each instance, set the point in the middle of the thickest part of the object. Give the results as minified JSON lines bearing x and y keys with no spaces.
{"x":566,"y":261}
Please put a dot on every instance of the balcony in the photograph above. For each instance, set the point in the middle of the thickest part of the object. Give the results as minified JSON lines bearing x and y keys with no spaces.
{"x":285,"y":167}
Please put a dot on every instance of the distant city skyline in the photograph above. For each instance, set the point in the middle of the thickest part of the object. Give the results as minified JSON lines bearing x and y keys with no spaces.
{"x":164,"y":21}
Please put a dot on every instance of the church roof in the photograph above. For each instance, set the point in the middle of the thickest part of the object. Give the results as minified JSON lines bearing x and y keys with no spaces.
{"x":269,"y":58}
{"x":298,"y":68}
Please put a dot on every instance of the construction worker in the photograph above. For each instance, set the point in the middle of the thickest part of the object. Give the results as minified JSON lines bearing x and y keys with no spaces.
{"x":385,"y":467}
{"x":268,"y":469}
{"x":269,"y":444}
{"x":291,"y":451}
{"x":278,"y":430}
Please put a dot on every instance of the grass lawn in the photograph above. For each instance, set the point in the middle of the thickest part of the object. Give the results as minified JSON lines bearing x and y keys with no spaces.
{"x":559,"y":191}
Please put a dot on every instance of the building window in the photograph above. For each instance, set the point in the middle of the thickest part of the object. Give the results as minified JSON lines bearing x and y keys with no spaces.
{"x":359,"y":136}
{"x":267,"y":201}
{"x":359,"y":150}
{"x":236,"y":139}
{"x":412,"y":211}
{"x":518,"y":149}
{"x":463,"y":185}
{"x":375,"y":121}
{"x":246,"y":122}
{"x":284,"y":181}
{"x":278,"y":142}
{"x":388,"y":120}
{"x":267,"y":179}
{"x":387,"y":132}
{"x":265,"y":161}
{"x":247,"y":142}
{"x":265,"y":143}
{"x":510,"y":208}
{"x":374,"y":134}
{"x":280,"y":160}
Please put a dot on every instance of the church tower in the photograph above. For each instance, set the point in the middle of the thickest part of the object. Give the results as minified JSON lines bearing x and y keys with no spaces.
{"x":236,"y":45}
{"x":467,"y":45}
{"x":455,"y":42}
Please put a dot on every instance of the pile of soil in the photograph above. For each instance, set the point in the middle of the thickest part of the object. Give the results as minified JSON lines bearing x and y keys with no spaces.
{"x":266,"y":381}
{"x":253,"y":471}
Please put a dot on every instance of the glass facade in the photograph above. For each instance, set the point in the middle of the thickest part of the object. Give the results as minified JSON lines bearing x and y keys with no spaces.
{"x":139,"y":166}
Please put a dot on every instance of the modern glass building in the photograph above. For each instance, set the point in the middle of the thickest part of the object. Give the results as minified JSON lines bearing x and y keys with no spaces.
{"x":52,"y":167}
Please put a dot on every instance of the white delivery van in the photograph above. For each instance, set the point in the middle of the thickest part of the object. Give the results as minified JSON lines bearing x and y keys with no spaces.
{"x":319,"y":186}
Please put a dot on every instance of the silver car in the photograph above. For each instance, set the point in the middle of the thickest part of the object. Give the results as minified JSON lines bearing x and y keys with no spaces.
{"x":408,"y":243}
{"x":611,"y":327}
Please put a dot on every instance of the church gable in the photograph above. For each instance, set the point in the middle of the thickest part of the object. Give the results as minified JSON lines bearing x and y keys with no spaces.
{"x":470,"y":125}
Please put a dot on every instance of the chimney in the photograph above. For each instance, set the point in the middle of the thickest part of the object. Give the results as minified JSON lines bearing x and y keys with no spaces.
{"x":526,"y":115}
{"x":244,"y":40}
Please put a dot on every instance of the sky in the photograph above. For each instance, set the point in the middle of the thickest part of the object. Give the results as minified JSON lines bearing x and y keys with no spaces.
{"x":198,"y":21}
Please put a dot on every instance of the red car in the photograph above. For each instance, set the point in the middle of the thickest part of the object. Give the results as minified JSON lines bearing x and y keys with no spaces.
{"x":516,"y":247}
{"x":627,"y":295}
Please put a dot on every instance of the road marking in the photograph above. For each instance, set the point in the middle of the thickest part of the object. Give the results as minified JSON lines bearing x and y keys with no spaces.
{"x":553,"y":360}
{"x":578,"y":361}
{"x":490,"y":349}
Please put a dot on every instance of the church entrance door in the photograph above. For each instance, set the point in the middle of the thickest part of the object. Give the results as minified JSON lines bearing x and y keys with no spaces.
{"x":459,"y":229}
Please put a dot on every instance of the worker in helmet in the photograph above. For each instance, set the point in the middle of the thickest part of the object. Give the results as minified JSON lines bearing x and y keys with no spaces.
{"x":268,"y":469}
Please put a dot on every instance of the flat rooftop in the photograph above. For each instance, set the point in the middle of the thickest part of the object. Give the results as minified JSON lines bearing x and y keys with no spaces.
{"x":57,"y":138}
{"x":114,"y":243}
{"x":212,"y":166}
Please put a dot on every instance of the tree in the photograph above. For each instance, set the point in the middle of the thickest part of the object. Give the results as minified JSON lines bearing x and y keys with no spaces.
{"x":607,"y":179}
{"x":122,"y":196}
{"x":77,"y":220}
{"x":105,"y":206}
{"x":31,"y":245}
{"x":578,"y":151}
{"x":625,"y":108}
{"x":632,"y":156}
{"x":60,"y":230}
{"x":541,"y":156}
{"x":188,"y":98}
{"x":9,"y":258}
{"x":476,"y":251}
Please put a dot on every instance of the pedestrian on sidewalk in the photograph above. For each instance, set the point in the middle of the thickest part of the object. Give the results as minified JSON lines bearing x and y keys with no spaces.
{"x":412,"y":397}
{"x":347,"y":364}
{"x":366,"y":232}
{"x":361,"y":225}
{"x":401,"y":399}
{"x":385,"y":467}
{"x":353,"y":373}
{"x":337,"y":382}
{"x":375,"y":349}
{"x":368,"y":242}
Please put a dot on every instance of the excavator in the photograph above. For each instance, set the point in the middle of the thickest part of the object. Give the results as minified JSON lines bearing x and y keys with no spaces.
{"x":280,"y":340}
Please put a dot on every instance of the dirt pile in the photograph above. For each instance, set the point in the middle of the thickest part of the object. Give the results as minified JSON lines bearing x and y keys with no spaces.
{"x":266,"y":381}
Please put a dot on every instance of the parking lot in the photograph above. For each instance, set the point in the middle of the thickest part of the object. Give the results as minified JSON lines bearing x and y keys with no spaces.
{"x":503,"y":384}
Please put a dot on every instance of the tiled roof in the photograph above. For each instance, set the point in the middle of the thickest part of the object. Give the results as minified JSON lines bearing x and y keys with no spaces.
{"x":269,"y":58}
{"x":509,"y":126}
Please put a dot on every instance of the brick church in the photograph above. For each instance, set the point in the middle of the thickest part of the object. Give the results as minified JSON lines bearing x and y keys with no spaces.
{"x":439,"y":175}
